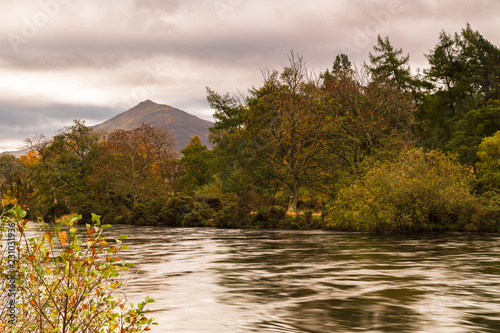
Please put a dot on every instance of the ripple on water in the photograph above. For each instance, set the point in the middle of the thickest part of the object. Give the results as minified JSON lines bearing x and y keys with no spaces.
{"x":210,"y":280}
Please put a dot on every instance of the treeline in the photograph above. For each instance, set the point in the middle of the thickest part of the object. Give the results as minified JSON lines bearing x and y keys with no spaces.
{"x":373,"y":149}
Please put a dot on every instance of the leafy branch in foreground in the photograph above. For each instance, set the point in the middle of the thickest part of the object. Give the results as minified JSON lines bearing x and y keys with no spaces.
{"x":64,"y":284}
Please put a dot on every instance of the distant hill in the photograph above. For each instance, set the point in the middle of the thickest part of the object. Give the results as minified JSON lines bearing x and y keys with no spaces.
{"x":16,"y":153}
{"x":181,"y":124}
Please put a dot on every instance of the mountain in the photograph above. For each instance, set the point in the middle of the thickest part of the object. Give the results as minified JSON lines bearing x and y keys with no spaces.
{"x":16,"y":153}
{"x":181,"y":124}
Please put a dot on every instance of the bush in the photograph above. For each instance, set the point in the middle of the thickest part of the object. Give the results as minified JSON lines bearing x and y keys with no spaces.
{"x":173,"y":213}
{"x":489,"y":166}
{"x":141,"y":215}
{"x":417,"y":191}
{"x":65,"y":287}
{"x":55,"y":211}
{"x":483,"y":213}
{"x":269,"y":217}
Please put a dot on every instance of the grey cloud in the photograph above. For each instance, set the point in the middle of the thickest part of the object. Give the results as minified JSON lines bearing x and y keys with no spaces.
{"x":194,"y":45}
{"x":20,"y":121}
{"x":197,"y":40}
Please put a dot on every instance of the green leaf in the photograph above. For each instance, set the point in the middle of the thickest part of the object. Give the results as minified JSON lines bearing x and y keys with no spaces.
{"x":74,"y":219}
{"x":40,"y":271}
{"x":18,"y":212}
{"x":96,"y":218}
{"x":106,"y":226}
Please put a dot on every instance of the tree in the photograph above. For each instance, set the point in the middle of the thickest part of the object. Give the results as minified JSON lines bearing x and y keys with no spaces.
{"x":132,"y":162}
{"x":75,"y":150}
{"x":481,"y":65}
{"x":281,"y":129}
{"x":389,"y":65}
{"x":341,"y":69}
{"x":63,"y":167}
{"x":464,"y":69}
{"x":226,"y":137}
{"x":297,"y":133}
{"x":196,"y":161}
{"x":475,"y":126}
{"x":10,"y":181}
{"x":359,"y":122}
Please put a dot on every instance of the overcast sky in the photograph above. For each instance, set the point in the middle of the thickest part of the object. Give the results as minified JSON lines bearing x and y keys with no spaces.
{"x":86,"y":59}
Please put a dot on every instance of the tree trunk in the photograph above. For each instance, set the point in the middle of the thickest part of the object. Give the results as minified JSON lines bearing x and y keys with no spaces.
{"x":292,"y":205}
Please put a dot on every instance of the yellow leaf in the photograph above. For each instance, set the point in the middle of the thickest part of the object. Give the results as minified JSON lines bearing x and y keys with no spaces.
{"x":63,"y":237}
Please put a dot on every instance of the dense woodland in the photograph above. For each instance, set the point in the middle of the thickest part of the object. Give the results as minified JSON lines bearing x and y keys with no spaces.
{"x":377,"y":148}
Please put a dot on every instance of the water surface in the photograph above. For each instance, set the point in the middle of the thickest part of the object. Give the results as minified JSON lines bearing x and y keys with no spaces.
{"x":210,"y":280}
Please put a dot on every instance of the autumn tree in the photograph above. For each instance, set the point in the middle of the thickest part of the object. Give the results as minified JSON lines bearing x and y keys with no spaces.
{"x":64,"y":165}
{"x":133,"y":161}
{"x":281,"y":129}
{"x":10,"y":179}
{"x":359,"y":122}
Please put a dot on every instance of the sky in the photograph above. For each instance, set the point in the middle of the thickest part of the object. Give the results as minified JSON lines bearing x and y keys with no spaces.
{"x":62,"y":60}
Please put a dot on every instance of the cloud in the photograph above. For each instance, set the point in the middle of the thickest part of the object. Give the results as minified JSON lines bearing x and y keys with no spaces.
{"x":21,"y":120}
{"x":81,"y":56}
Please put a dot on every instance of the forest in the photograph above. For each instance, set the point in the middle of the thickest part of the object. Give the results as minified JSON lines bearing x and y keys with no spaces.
{"x":379,"y":148}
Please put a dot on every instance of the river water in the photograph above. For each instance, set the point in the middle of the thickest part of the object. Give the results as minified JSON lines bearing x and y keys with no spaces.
{"x":210,"y":280}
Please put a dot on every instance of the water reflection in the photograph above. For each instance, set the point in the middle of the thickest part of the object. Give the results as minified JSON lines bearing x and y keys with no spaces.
{"x":208,"y":280}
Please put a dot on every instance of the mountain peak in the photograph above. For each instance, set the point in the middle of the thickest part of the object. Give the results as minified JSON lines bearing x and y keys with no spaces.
{"x":147,"y":102}
{"x":181,"y":124}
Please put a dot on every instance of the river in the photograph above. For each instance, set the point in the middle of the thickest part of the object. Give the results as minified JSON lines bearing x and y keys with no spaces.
{"x":235,"y":281}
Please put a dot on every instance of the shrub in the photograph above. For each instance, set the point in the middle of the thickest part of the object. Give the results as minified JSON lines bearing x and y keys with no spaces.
{"x":483,"y":214}
{"x":55,"y":211}
{"x":173,"y":213}
{"x":269,"y":218}
{"x":417,"y":191}
{"x":489,"y":165}
{"x":63,"y":284}
{"x":141,"y":215}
